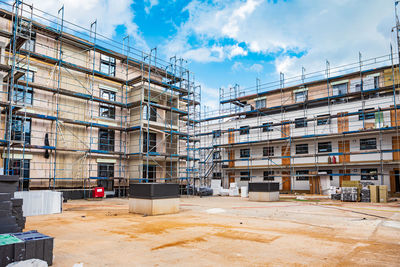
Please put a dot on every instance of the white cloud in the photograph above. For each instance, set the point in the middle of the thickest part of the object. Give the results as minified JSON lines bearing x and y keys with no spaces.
{"x":239,"y":66}
{"x":322,"y":30}
{"x":109,"y":15}
{"x":149,"y":4}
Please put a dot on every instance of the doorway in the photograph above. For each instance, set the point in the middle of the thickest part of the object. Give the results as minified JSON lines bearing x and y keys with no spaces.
{"x":151,"y":176}
{"x":396,"y":181}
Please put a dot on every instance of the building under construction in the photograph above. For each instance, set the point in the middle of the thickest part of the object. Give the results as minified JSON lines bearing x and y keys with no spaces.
{"x":341,"y":122}
{"x":81,"y":110}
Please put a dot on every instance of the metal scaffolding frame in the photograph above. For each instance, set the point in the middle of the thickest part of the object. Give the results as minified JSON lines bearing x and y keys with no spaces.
{"x":146,"y":85}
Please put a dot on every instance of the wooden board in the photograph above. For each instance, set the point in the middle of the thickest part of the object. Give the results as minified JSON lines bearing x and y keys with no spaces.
{"x":231,"y":152}
{"x":285,"y":129}
{"x":344,"y":147}
{"x":286,"y":183}
{"x":285,"y":153}
{"x":374,"y":193}
{"x":344,"y":177}
{"x":343,"y":122}
{"x":383,"y":193}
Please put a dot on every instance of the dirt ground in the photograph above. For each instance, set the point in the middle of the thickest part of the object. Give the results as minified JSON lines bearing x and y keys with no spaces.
{"x":225,"y":231}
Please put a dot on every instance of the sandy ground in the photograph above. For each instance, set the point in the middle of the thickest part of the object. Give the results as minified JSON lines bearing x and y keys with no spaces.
{"x":225,"y":231}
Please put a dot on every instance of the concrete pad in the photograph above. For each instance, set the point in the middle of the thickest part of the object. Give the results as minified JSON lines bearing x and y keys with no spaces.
{"x":154,"y":206}
{"x":264,"y":196}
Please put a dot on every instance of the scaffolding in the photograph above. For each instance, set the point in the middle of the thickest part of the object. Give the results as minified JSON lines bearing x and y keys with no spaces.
{"x":81,"y":110}
{"x":309,"y":108}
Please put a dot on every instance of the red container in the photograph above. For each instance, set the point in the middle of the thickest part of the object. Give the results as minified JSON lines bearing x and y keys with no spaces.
{"x":98,"y":192}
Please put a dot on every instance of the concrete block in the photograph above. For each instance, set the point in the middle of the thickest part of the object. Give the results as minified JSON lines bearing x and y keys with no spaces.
{"x":264,"y":196}
{"x":154,"y":206}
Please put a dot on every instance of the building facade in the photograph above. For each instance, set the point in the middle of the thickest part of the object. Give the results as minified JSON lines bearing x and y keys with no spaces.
{"x":344,"y":126}
{"x":80,"y":110}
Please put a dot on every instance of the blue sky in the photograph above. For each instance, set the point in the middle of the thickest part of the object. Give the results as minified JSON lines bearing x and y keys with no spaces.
{"x":236,"y":41}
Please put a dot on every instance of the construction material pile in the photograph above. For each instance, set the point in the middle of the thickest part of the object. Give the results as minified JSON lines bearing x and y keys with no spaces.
{"x":356,"y":191}
{"x":25,"y":246}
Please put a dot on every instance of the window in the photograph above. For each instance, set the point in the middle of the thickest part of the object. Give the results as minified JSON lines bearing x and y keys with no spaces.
{"x":216,"y":133}
{"x":245,"y":176}
{"x":376,"y":82}
{"x":339,"y":89}
{"x":302,"y":149}
{"x":216,"y":155}
{"x":152,"y":143}
{"x":29,"y":45}
{"x":327,"y":172}
{"x":267,"y":127}
{"x":245,"y":152}
{"x":323,"y":119}
{"x":369,"y":143}
{"x":300,"y":96}
{"x":368,"y":112}
{"x":106,"y":140}
{"x":105,"y":171}
{"x":302,"y":175}
{"x":21,"y":129}
{"x":300,"y":122}
{"x":261,"y":103}
{"x":107,"y":110}
{"x":324,"y":147}
{"x":369,"y":174}
{"x":216,"y":175}
{"x":20,"y":168}
{"x":268,"y":151}
{"x":107,"y":65}
{"x":152,"y":175}
{"x":24,"y":94}
{"x":269,"y":176}
{"x":244,"y":130}
{"x":153,"y":113}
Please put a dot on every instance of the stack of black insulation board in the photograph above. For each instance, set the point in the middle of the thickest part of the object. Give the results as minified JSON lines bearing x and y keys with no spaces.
{"x":154,"y":190}
{"x":365,"y":195}
{"x":263,"y":187}
{"x":37,"y":246}
{"x":8,"y":222}
{"x":11,"y":249}
{"x":336,"y":196}
{"x":349,"y":194}
{"x":8,"y":183}
{"x":17,"y":212}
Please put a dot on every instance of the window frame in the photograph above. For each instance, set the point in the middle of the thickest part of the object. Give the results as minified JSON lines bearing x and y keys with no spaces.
{"x":268,"y":151}
{"x":244,"y":176}
{"x":268,"y":176}
{"x":216,"y":134}
{"x":302,"y":94}
{"x":368,"y":115}
{"x":109,"y":144}
{"x":364,"y":145}
{"x":335,"y":88}
{"x":243,"y":130}
{"x":109,"y":63}
{"x":267,"y":127}
{"x":152,"y":144}
{"x":298,"y":149}
{"x":107,"y":110}
{"x":366,"y":174}
{"x":263,"y":105}
{"x":323,"y":120}
{"x":245,"y":153}
{"x":302,"y":175}
{"x":329,"y":149}
{"x":110,"y":169}
{"x":300,"y":122}
{"x":23,"y":126}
